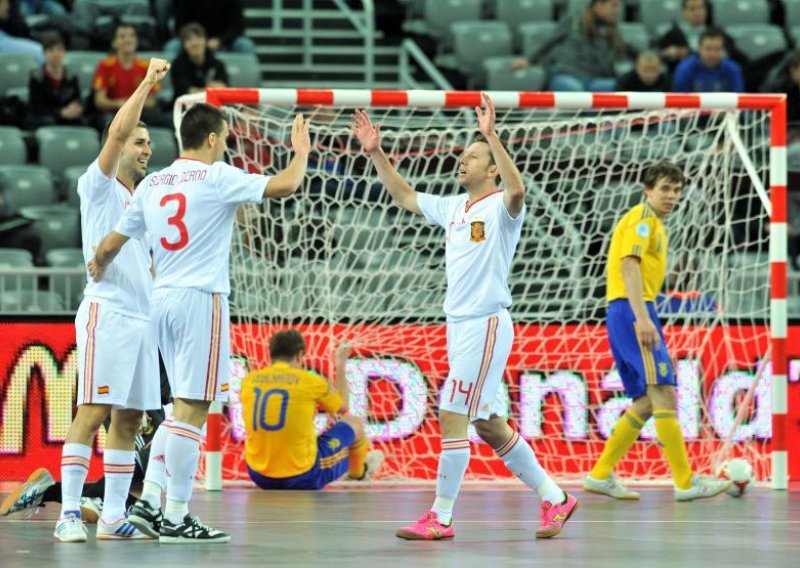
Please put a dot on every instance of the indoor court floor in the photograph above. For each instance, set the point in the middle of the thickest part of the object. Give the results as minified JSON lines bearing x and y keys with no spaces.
{"x":495,"y":527}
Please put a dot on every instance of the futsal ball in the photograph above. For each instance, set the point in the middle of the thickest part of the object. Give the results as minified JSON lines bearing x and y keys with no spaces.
{"x":740,"y":472}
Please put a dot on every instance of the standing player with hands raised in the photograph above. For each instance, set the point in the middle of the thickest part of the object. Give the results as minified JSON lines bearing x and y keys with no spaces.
{"x":188,"y":211}
{"x":483,"y":229}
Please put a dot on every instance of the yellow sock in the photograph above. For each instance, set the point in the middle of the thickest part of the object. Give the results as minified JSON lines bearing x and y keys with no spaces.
{"x":624,"y":434}
{"x":671,"y":439}
{"x":358,"y":459}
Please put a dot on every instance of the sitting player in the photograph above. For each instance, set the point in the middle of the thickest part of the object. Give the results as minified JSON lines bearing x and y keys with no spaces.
{"x":280,"y":402}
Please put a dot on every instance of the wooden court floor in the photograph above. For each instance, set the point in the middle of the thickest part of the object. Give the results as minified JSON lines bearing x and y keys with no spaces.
{"x":494,"y":529}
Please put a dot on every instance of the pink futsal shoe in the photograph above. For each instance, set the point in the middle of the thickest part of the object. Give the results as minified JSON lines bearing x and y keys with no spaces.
{"x":427,"y":528}
{"x":553,"y":516}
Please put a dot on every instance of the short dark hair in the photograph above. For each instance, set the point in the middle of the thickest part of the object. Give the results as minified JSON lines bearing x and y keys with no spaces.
{"x":52,"y":39}
{"x":663,"y":169}
{"x":683,"y":4}
{"x":191,"y":29}
{"x":104,"y":135}
{"x":286,"y":345}
{"x":198,"y":122}
{"x":121,"y":24}
{"x":711,"y":33}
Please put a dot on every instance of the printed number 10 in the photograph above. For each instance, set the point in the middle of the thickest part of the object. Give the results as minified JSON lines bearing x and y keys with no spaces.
{"x":260,"y":409}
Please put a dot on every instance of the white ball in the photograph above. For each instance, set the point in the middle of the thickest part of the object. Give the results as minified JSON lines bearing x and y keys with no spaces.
{"x":740,"y":472}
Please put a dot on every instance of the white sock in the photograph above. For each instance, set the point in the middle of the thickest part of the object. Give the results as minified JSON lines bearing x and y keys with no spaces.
{"x":182,"y":455}
{"x":155,"y":479}
{"x":521,"y":461}
{"x":118,"y":468}
{"x":74,"y":467}
{"x":453,"y":462}
{"x":176,"y":511}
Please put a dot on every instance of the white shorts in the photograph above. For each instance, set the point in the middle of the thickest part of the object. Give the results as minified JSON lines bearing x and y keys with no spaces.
{"x":117,"y":359}
{"x":477,"y":350}
{"x":194,"y":336}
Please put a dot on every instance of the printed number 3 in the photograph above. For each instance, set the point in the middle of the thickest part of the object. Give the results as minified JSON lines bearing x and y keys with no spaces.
{"x":176,"y":221}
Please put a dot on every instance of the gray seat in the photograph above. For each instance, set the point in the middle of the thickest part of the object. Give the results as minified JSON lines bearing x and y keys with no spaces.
{"x":68,"y":286}
{"x":63,"y":146}
{"x":69,"y":184}
{"x":57,"y":225}
{"x":12,"y":146}
{"x":243,"y":69}
{"x":792,"y":8}
{"x":500,"y":77}
{"x":758,"y":40}
{"x":733,"y":12}
{"x":15,"y":70}
{"x":653,"y":13}
{"x":15,"y":258}
{"x":440,"y":14}
{"x":635,"y":35}
{"x":28,"y":185}
{"x":534,"y":35}
{"x":573,"y":7}
{"x":31,"y":301}
{"x":165,"y":147}
{"x":473,"y":42}
{"x":515,"y":12}
{"x":83,"y":64}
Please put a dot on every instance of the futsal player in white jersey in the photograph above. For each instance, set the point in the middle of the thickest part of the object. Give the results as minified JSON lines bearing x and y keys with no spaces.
{"x":482,"y":229}
{"x":117,"y":356}
{"x":188,"y":210}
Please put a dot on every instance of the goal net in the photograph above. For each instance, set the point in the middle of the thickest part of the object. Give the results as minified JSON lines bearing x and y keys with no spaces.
{"x":339,"y":262}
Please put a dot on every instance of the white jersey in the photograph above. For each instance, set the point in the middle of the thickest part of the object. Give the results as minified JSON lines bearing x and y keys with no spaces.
{"x":481,"y":240}
{"x":125,"y":288}
{"x":188,"y":209}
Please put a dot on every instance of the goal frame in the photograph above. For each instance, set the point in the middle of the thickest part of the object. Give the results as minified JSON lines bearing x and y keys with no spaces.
{"x":774,"y":104}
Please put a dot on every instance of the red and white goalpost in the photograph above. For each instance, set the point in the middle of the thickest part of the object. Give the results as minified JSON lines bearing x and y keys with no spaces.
{"x":338,"y":262}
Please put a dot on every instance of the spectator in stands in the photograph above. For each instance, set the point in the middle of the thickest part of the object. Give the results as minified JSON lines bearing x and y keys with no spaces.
{"x":584,"y":49}
{"x":14,"y":34}
{"x":709,"y":70}
{"x":223,"y":22}
{"x":647,"y":76}
{"x":42,"y":7}
{"x":118,"y":75}
{"x":786,"y":79}
{"x":54,"y":96}
{"x":196,"y":68}
{"x":683,"y":37}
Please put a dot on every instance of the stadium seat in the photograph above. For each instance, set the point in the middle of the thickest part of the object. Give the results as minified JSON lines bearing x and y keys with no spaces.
{"x":473,"y":42}
{"x":63,"y":146}
{"x":439,"y":14}
{"x":12,"y":146}
{"x":15,"y":69}
{"x":534,"y":35}
{"x":68,"y":286}
{"x":573,"y":7}
{"x":15,"y":258}
{"x":165,"y":147}
{"x":732,"y":12}
{"x":499,"y":76}
{"x":69,"y":184}
{"x":83,"y":64}
{"x":27,"y":185}
{"x":653,"y":13}
{"x":515,"y":12}
{"x":31,"y":301}
{"x":243,"y":69}
{"x":792,"y":8}
{"x":57,"y":225}
{"x":635,"y":35}
{"x":758,"y":40}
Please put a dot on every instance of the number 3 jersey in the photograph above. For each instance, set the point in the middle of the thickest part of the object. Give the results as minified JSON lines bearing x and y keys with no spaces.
{"x":125,"y":288}
{"x":279,"y":404}
{"x":188,"y":211}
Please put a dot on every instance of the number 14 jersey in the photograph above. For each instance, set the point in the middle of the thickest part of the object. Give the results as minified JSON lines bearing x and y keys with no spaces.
{"x":187,"y":210}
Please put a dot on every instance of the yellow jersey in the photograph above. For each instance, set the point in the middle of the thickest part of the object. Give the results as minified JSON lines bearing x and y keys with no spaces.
{"x":279,"y":405}
{"x":639,"y":233}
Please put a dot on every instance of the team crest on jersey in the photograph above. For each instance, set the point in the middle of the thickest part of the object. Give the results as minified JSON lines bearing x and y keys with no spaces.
{"x":334,"y":444}
{"x":662,"y":369}
{"x":643,"y":230}
{"x":477,"y":231}
{"x":103,"y":389}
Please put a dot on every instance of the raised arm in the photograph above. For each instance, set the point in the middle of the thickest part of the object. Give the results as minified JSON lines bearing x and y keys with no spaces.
{"x":128,"y":116}
{"x":105,"y":252}
{"x":369,"y":136}
{"x":289,"y":179}
{"x":514,"y":188}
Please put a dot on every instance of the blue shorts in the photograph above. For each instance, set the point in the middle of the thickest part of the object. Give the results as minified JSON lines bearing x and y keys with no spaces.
{"x":333,"y":450}
{"x":637,"y":369}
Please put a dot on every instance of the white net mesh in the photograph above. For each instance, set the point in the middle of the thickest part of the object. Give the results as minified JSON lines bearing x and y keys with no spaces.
{"x":338,"y":261}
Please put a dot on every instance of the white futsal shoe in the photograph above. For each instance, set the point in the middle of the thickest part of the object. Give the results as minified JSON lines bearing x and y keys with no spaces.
{"x":70,"y":528}
{"x":611,"y":486}
{"x":703,"y":488}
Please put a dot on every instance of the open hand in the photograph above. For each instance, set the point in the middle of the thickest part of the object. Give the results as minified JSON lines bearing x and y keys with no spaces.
{"x":648,"y":334}
{"x":301,"y":139}
{"x":486,"y":117}
{"x":368,"y":135}
{"x":96,"y":270}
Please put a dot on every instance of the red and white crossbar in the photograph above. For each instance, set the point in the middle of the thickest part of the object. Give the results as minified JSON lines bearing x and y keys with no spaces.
{"x":774,"y":104}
